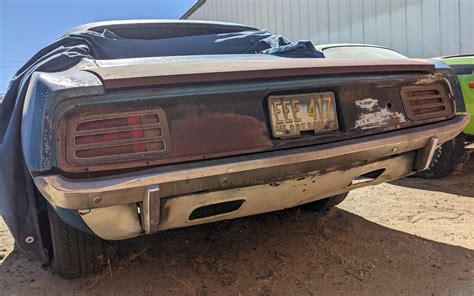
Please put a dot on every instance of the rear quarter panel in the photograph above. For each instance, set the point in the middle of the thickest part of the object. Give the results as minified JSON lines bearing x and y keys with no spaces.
{"x":46,"y":91}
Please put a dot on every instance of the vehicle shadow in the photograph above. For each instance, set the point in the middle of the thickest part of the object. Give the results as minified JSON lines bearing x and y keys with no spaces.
{"x":287,"y":252}
{"x":461,"y":182}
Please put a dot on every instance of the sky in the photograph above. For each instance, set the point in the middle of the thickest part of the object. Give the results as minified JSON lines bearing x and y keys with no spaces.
{"x":26,"y":26}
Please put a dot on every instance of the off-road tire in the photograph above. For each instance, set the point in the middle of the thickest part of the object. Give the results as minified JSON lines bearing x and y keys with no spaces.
{"x":445,"y":159}
{"x":75,"y":254}
{"x":324,"y":205}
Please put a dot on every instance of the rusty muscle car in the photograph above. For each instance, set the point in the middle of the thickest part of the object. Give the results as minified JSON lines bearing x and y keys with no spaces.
{"x":124,"y":147}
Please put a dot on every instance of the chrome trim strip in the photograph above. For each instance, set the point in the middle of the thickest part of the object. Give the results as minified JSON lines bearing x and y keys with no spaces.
{"x":424,"y":158}
{"x":132,"y":141}
{"x":147,"y":126}
{"x":151,"y":209}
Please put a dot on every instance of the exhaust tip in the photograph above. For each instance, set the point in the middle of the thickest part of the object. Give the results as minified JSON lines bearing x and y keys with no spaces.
{"x":367,"y":177}
{"x":216,"y":209}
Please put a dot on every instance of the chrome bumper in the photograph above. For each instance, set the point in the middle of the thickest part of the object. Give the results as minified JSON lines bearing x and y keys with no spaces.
{"x":166,"y":198}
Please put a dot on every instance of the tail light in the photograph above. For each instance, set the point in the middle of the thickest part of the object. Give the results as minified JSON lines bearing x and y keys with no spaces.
{"x":426,"y":102}
{"x":119,"y":137}
{"x":471,"y":84}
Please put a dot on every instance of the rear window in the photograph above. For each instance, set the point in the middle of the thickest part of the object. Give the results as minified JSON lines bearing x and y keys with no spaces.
{"x":168,"y":30}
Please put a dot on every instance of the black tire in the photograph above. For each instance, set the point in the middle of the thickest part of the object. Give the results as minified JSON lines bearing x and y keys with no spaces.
{"x":324,"y":205}
{"x":75,"y":254}
{"x":445,"y":159}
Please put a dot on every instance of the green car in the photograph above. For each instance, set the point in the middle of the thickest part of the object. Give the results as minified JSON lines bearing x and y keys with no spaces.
{"x":448,"y":155}
{"x":463,"y":65}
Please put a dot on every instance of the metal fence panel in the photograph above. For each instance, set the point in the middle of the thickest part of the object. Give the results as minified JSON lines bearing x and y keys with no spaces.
{"x":417,"y":28}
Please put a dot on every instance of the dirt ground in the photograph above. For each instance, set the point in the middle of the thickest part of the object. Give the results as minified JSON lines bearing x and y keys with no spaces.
{"x":408,"y":237}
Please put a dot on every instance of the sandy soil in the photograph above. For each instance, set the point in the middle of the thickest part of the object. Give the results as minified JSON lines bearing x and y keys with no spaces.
{"x":408,"y":237}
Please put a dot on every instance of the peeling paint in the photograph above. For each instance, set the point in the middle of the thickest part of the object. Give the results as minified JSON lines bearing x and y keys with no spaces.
{"x":380,"y":118}
{"x":367,"y":103}
{"x":426,"y":80}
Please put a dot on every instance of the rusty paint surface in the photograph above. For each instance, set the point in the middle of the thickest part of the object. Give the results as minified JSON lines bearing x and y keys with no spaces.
{"x":377,"y":116}
{"x":218,"y":133}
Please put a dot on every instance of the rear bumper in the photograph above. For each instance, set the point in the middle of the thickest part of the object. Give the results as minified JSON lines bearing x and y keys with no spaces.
{"x":122,"y":207}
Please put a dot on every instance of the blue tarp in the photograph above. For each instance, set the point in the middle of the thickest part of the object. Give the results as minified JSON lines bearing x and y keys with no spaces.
{"x":19,"y":200}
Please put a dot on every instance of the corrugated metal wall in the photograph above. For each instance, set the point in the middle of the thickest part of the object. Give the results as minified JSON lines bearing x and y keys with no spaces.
{"x":417,"y":28}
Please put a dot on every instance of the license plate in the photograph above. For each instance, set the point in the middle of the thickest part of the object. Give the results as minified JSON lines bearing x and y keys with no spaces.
{"x":292,"y":114}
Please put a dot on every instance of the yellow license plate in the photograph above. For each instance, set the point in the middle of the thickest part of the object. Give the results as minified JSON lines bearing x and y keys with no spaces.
{"x":292,"y":114}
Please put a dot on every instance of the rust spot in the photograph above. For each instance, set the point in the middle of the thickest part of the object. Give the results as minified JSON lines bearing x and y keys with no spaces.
{"x":217,"y":133}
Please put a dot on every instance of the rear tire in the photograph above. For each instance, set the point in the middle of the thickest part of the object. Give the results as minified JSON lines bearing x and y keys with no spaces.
{"x":324,"y":205}
{"x":445,"y":159}
{"x":75,"y":254}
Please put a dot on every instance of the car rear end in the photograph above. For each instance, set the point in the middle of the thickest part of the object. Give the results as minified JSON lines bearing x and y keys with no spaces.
{"x":265,"y":134}
{"x":136,"y":146}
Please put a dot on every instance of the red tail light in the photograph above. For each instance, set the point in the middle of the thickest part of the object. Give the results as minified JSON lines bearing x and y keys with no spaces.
{"x":119,"y":138}
{"x":426,"y":102}
{"x":471,"y":84}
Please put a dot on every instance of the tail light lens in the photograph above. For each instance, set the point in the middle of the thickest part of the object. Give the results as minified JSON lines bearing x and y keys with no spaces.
{"x":426,"y":102}
{"x":119,"y":137}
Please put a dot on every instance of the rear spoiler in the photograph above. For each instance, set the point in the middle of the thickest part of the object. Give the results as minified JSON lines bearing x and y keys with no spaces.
{"x":124,"y":74}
